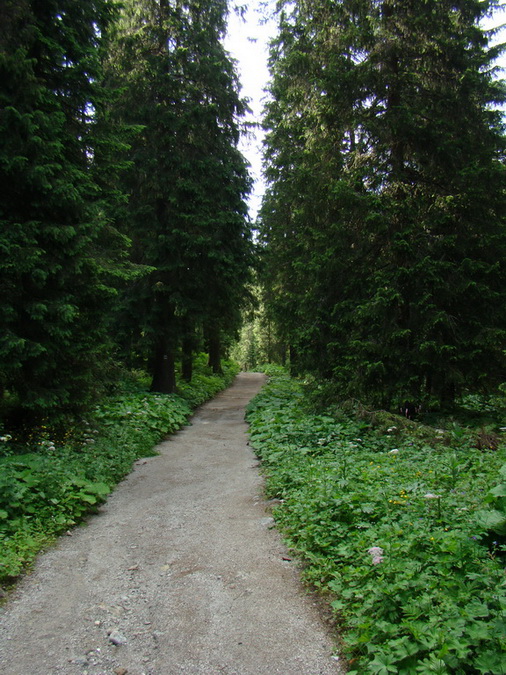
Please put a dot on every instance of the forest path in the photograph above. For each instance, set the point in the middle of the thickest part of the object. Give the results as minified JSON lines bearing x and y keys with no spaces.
{"x":179,"y":573}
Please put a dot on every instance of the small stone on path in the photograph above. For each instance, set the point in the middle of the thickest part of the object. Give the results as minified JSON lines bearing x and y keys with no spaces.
{"x":117,"y":638}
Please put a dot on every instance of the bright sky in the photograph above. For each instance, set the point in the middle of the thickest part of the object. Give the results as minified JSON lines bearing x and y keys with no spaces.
{"x":247,"y":41}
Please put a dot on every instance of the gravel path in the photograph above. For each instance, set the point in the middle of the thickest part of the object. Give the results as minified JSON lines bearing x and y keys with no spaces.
{"x":179,"y":573}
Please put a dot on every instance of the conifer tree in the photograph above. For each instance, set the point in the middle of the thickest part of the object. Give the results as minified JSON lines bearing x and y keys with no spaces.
{"x":187,"y":180}
{"x":384,"y":219}
{"x":54,"y":292}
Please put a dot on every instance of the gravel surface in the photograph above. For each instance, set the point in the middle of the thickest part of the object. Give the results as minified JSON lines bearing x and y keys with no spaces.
{"x":179,"y":573}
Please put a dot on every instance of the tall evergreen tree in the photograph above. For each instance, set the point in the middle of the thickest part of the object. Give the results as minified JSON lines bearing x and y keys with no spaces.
{"x":388,"y":237}
{"x":187,"y":180}
{"x":54,"y":292}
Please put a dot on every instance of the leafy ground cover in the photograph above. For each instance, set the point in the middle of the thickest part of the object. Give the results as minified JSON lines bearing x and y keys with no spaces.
{"x":50,"y":478}
{"x":401,"y":525}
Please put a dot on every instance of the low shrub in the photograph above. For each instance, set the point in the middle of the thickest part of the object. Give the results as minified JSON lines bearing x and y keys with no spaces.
{"x":391,"y":524}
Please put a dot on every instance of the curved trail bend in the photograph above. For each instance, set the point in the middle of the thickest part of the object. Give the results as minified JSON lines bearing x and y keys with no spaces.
{"x":178,"y":574}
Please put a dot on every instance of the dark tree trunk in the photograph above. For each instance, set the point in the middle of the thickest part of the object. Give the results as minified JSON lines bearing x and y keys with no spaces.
{"x":163,"y":367}
{"x":293,"y":360}
{"x":214,"y":347}
{"x":187,"y":358}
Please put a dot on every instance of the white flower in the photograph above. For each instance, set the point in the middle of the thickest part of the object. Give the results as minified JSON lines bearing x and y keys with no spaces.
{"x":390,"y":429}
{"x":4,"y":439}
{"x":377,"y":554}
{"x":395,"y":451}
{"x":430,"y":495}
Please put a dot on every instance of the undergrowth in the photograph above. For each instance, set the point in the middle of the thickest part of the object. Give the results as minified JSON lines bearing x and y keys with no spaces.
{"x":52,"y":477}
{"x":401,"y":526}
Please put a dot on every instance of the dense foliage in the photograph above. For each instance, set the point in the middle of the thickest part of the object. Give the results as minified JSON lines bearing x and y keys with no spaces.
{"x":124,"y":233}
{"x":187,"y":181}
{"x":383,"y":223}
{"x":59,"y":255}
{"x":52,"y":479}
{"x":259,"y":338}
{"x":396,"y":523}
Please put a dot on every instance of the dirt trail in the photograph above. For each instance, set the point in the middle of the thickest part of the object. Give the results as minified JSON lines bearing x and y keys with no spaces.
{"x":180,"y":569}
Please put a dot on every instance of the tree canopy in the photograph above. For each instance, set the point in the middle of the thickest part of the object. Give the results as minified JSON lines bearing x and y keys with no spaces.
{"x":125,"y":235}
{"x":124,"y":226}
{"x":383,"y":224}
{"x":55,"y":275}
{"x":187,"y":181}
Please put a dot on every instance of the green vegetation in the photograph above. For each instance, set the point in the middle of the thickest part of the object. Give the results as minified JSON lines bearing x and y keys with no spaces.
{"x":401,"y":524}
{"x":384,"y":220}
{"x":123,"y":225}
{"x":381,"y":260}
{"x":61,"y":258}
{"x":259,"y":341}
{"x":186,"y":182}
{"x":51,"y":478}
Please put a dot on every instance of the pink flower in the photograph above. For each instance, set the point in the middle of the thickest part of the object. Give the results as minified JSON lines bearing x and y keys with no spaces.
{"x":377,"y":554}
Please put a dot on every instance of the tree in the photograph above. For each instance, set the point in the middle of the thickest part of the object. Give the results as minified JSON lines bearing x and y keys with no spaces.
{"x":388,"y":236}
{"x":55,"y":293}
{"x":187,"y":180}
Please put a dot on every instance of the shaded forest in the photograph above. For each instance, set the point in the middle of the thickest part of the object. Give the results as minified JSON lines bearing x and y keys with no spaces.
{"x":125,"y":238}
{"x":379,"y":260}
{"x":376,"y":272}
{"x":383,"y":225}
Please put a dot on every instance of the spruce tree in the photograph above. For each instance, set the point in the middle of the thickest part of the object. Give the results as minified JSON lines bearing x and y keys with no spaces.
{"x":388,"y":236}
{"x":187,"y":181}
{"x":54,"y":292}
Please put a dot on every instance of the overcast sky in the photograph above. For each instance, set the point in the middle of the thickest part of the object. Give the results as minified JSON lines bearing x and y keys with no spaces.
{"x":247,"y":41}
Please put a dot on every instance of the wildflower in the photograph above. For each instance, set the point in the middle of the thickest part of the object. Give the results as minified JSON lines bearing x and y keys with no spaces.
{"x":390,"y":429}
{"x":377,"y":554}
{"x":4,"y":439}
{"x":395,"y":451}
{"x":430,"y":495}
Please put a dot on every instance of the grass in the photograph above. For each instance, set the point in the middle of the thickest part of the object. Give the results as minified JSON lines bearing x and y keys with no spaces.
{"x":400,"y":525}
{"x":51,"y":478}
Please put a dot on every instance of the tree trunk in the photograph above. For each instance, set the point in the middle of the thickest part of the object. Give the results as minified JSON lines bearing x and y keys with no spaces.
{"x":214,"y":347}
{"x":293,"y":360}
{"x":163,"y":369}
{"x":187,"y":358}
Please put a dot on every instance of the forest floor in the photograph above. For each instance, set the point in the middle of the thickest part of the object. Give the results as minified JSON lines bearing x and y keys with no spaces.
{"x":180,"y":572}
